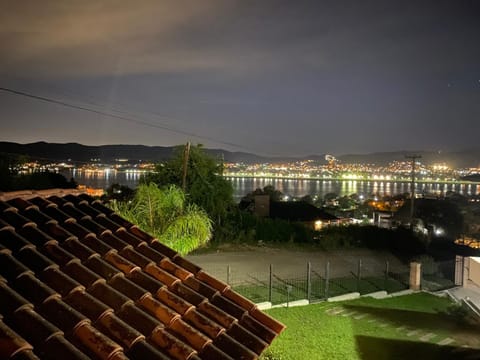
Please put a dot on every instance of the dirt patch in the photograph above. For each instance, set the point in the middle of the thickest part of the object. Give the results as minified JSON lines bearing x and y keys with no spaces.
{"x":291,"y":263}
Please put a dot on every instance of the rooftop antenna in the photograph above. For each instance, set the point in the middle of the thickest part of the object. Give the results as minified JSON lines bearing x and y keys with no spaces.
{"x":413,"y":159}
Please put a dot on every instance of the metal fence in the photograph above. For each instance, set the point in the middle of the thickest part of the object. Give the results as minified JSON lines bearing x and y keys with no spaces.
{"x":438,"y":275}
{"x":313,"y":284}
{"x":320,"y":283}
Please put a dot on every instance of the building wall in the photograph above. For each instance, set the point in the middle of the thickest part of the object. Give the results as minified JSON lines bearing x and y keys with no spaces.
{"x":262,"y":205}
{"x":474,"y":272}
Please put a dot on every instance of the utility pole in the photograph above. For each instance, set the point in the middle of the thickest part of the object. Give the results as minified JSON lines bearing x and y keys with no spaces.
{"x":186,"y":154}
{"x":413,"y":159}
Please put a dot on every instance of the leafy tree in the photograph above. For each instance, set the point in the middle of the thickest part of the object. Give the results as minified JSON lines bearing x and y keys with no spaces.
{"x":443,"y":213}
{"x":164,"y":213}
{"x":6,"y":172}
{"x":205,"y":185}
{"x":308,"y":199}
{"x":43,"y":180}
{"x":346,"y":202}
{"x":119,"y":192}
{"x":10,"y":179}
{"x":401,"y":241}
{"x":247,"y":202}
{"x":330,"y":198}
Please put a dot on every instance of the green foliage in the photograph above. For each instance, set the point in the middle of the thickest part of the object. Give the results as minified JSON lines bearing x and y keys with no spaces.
{"x":276,"y":230}
{"x":442,"y":213}
{"x":119,"y":192}
{"x":7,"y":164}
{"x":270,"y":354}
{"x":401,"y":241}
{"x":165,"y":214}
{"x":43,"y":180}
{"x":346,"y":202}
{"x":248,"y":201}
{"x":237,"y":227}
{"x":205,"y":185}
{"x":11,"y":180}
{"x":243,"y":227}
{"x":461,"y":314}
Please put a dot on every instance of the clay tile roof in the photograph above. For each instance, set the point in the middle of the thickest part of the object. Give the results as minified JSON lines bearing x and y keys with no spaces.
{"x":77,"y":281}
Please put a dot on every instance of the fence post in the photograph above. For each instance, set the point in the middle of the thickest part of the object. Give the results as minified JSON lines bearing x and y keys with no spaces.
{"x":270,"y":284}
{"x":327,"y":278}
{"x":387,"y":270}
{"x":228,"y":274}
{"x":359,"y":274}
{"x":309,"y":280}
{"x":415,"y":276}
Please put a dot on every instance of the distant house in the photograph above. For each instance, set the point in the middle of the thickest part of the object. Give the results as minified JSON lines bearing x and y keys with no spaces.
{"x":294,"y":211}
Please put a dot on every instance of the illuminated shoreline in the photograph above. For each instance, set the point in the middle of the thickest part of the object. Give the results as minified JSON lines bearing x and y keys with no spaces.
{"x":402,"y":180}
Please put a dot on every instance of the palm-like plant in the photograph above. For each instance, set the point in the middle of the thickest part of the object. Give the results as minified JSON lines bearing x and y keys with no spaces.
{"x":164,"y":214}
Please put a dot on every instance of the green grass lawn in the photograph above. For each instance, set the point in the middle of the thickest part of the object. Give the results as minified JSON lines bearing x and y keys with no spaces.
{"x":393,"y":328}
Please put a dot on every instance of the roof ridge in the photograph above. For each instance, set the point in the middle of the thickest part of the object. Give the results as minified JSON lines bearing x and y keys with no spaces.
{"x":28,"y":194}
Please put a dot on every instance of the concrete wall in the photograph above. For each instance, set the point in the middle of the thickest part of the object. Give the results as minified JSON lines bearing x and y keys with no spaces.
{"x":474,"y":271}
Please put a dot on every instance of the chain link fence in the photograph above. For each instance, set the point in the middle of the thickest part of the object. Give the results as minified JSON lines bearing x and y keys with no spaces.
{"x":314,"y":283}
{"x":438,"y":275}
{"x":317,"y":283}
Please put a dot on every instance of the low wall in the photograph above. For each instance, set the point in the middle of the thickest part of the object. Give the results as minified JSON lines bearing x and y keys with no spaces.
{"x":474,"y":272}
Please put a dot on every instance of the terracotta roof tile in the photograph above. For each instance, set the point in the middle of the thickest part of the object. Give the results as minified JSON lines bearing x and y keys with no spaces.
{"x":62,"y":315}
{"x":257,"y":328}
{"x":103,"y":220}
{"x":12,"y":343}
{"x":211,"y":352}
{"x":144,"y":351}
{"x":57,"y":254}
{"x":135,"y":257}
{"x":11,"y":268}
{"x":247,"y":338}
{"x":228,"y":306}
{"x":145,"y":281}
{"x":5,"y":206}
{"x":109,"y":296}
{"x":140,"y":320}
{"x":56,"y":231}
{"x":60,"y":281}
{"x":75,"y":247}
{"x":57,"y":347}
{"x":77,"y":282}
{"x":127,"y":287}
{"x":55,"y":213}
{"x":97,"y":204}
{"x":37,"y":291}
{"x":20,"y":203}
{"x":217,"y":314}
{"x":35,"y":215}
{"x":11,"y":301}
{"x":33,"y":326}
{"x":37,"y":237}
{"x":233,"y":348}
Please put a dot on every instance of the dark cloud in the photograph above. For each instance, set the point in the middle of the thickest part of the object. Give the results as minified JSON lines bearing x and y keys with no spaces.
{"x":275,"y":76}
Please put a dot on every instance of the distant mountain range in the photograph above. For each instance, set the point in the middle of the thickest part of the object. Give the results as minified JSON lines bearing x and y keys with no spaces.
{"x":109,"y":153}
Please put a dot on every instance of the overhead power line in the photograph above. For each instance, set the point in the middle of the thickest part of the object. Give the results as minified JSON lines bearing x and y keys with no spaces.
{"x":121,"y":117}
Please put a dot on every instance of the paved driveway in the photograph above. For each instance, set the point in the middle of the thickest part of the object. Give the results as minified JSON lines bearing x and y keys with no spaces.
{"x":290,"y":263}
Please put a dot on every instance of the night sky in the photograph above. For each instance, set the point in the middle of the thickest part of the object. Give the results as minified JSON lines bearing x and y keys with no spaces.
{"x":272,"y":77}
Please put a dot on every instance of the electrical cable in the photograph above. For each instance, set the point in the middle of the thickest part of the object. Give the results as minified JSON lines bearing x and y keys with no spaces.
{"x":121,"y":117}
